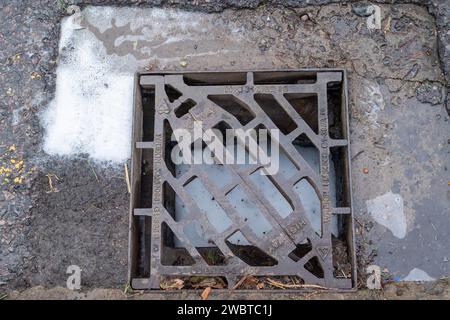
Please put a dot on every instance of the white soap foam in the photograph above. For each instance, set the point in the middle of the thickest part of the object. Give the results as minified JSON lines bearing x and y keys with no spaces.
{"x":417,"y":274}
{"x":387,"y":210}
{"x":92,"y":108}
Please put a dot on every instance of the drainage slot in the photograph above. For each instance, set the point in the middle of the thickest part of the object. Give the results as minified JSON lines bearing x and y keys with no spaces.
{"x":218,"y":173}
{"x":207,"y":248}
{"x":171,"y":254}
{"x":308,"y":151}
{"x":339,"y":173}
{"x":234,"y":106}
{"x":248,"y":210}
{"x":171,"y":200}
{"x":148,"y":117}
{"x":307,"y":107}
{"x":145,"y":193}
{"x":287,"y":167}
{"x":212,"y":256}
{"x":208,"y":205}
{"x":172,"y":93}
{"x":335,"y":107}
{"x":283,"y":78}
{"x":314,"y":266}
{"x":311,"y":204}
{"x":341,"y":248}
{"x":142,"y":246}
{"x":185,"y":107}
{"x":341,"y":258}
{"x":247,"y":252}
{"x":275,"y":112}
{"x":169,"y":145}
{"x":215,"y":79}
{"x":272,"y":193}
{"x":301,"y":250}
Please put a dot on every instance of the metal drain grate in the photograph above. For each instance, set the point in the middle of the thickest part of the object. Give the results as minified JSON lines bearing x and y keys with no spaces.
{"x":228,"y":220}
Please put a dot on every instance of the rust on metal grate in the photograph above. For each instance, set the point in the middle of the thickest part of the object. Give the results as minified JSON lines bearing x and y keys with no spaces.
{"x":228,"y":220}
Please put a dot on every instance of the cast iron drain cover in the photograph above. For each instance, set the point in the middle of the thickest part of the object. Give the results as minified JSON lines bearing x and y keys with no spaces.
{"x":287,"y":220}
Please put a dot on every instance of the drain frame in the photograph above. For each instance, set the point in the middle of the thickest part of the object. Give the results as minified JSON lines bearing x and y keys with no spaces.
{"x":145,"y":269}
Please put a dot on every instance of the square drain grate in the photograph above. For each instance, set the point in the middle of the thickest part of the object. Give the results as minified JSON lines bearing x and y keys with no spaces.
{"x":227,"y":220}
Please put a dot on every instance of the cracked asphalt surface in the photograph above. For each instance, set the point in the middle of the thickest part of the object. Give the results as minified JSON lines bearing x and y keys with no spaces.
{"x":84,"y":219}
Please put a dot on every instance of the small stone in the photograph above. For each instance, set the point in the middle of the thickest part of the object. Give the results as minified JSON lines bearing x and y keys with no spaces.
{"x":35,"y":75}
{"x":394,"y":85}
{"x":429,"y":93}
{"x":304,"y":17}
{"x":361,"y":10}
{"x":365,"y":170}
{"x":35,"y":59}
{"x":183,"y":64}
{"x":396,"y":101}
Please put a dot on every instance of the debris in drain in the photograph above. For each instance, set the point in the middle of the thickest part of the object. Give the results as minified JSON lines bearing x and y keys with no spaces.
{"x":171,"y":284}
{"x":202,"y":224}
{"x":193,"y":282}
{"x":277,"y":282}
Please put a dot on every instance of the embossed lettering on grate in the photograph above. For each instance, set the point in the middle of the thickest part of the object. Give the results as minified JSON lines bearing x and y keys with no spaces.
{"x":228,"y":220}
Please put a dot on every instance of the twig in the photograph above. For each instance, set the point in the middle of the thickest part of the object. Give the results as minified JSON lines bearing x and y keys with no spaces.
{"x":357,"y":155}
{"x":285,"y":286}
{"x":127,"y":289}
{"x":238,"y":284}
{"x":93,"y":171}
{"x":277,"y":284}
{"x":3,"y":296}
{"x":340,"y":269}
{"x":205,"y":293}
{"x":52,"y":188}
{"x":127,"y":179}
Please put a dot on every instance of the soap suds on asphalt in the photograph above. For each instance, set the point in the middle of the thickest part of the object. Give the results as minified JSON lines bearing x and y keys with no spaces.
{"x":91,"y":112}
{"x":387,"y":210}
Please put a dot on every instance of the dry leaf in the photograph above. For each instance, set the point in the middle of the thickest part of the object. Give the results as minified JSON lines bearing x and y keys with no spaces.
{"x":171,"y":284}
{"x":213,"y":282}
